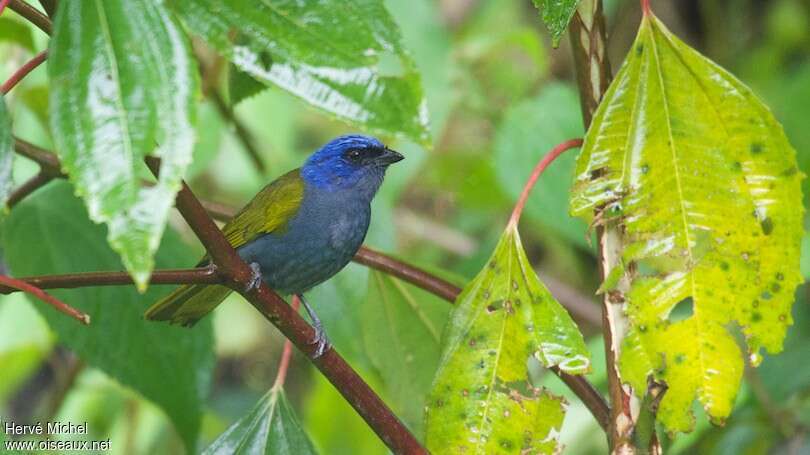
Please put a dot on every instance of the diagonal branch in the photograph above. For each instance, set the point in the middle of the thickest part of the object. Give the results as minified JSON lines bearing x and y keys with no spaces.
{"x":32,"y":14}
{"x":23,"y":71}
{"x":34,"y":183}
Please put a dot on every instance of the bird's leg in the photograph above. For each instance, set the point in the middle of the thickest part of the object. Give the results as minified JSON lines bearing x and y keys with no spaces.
{"x":255,"y":277}
{"x":320,"y":340}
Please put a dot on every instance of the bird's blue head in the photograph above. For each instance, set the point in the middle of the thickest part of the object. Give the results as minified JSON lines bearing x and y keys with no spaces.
{"x":350,"y":162}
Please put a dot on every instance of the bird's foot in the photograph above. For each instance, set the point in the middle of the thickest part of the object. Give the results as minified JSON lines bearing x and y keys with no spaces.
{"x":320,"y":341}
{"x":255,"y":277}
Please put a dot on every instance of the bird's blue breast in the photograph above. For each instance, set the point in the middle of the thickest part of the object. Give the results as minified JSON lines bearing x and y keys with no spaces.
{"x":318,"y":241}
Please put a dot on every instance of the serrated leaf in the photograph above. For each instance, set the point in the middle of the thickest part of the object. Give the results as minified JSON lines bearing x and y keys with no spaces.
{"x":269,"y":428}
{"x":343,"y":57}
{"x":122,"y":87}
{"x":556,"y":15}
{"x":704,"y":184}
{"x":481,"y":401}
{"x":49,"y":233}
{"x":401,"y":329}
{"x":6,"y":153}
{"x":241,"y":85}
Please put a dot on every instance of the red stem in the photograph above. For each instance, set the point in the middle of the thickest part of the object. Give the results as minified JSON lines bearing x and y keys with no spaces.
{"x":23,"y":71}
{"x":3,"y":4}
{"x":645,"y":7}
{"x":541,"y":166}
{"x":60,"y":306}
{"x":286,"y":353}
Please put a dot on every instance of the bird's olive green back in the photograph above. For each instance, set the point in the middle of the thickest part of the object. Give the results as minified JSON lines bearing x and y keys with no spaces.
{"x":269,"y":211}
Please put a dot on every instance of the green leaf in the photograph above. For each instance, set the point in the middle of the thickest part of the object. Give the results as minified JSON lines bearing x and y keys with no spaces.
{"x":49,"y":233}
{"x":123,"y":86}
{"x":25,"y":341}
{"x":242,"y":85}
{"x":481,"y":401}
{"x":269,"y":428}
{"x":704,"y":184}
{"x":530,"y":129}
{"x":401,"y":328}
{"x":6,"y":153}
{"x":328,"y":418}
{"x":342,"y":57}
{"x":556,"y":14}
{"x":16,"y":32}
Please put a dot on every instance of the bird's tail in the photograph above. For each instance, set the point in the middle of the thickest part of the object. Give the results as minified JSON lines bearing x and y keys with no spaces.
{"x":188,"y":304}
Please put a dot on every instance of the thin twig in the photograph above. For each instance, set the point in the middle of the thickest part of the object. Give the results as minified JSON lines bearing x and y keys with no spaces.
{"x":32,"y":14}
{"x":203,"y":275}
{"x":407,"y":272}
{"x":47,"y":161}
{"x":238,"y":276}
{"x":23,"y":71}
{"x":33,"y":184}
{"x":286,"y":353}
{"x":59,"y":305}
{"x":538,"y":170}
{"x":49,"y":6}
{"x":645,"y":7}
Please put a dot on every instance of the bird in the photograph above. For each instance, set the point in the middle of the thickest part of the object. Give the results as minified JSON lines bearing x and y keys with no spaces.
{"x":298,"y":231}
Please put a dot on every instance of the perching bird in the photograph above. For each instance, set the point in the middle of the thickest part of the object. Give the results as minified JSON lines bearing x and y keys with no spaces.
{"x":300,"y":230}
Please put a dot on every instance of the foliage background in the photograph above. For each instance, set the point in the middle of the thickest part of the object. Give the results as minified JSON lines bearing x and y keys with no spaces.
{"x":499,"y":96}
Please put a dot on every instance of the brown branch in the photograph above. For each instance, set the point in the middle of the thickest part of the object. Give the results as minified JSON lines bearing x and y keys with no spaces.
{"x":23,"y":71}
{"x":32,"y":14}
{"x":49,"y":6}
{"x":406,"y":272}
{"x":85,"y":279}
{"x":47,"y":161}
{"x":33,"y":184}
{"x":365,"y":256}
{"x":238,"y":276}
{"x":59,"y":305}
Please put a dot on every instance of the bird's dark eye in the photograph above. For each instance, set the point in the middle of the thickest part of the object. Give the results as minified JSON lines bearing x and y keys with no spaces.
{"x":354,"y":155}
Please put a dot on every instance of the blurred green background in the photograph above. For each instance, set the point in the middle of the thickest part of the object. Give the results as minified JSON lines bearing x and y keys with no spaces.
{"x":499,"y":97}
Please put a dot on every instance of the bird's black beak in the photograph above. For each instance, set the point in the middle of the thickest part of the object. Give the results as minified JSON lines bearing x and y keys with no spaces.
{"x":389,"y":156}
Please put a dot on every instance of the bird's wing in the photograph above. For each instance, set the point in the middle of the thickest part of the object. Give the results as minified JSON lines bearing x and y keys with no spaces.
{"x":268,"y":212}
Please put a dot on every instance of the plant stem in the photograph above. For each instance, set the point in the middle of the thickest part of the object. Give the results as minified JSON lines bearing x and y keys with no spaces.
{"x":3,"y":4}
{"x":85,"y":279}
{"x":589,"y":45}
{"x":33,"y":184}
{"x":59,"y":305}
{"x":538,"y":170}
{"x":645,"y":7}
{"x":23,"y":71}
{"x":32,"y":14}
{"x":286,"y":353}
